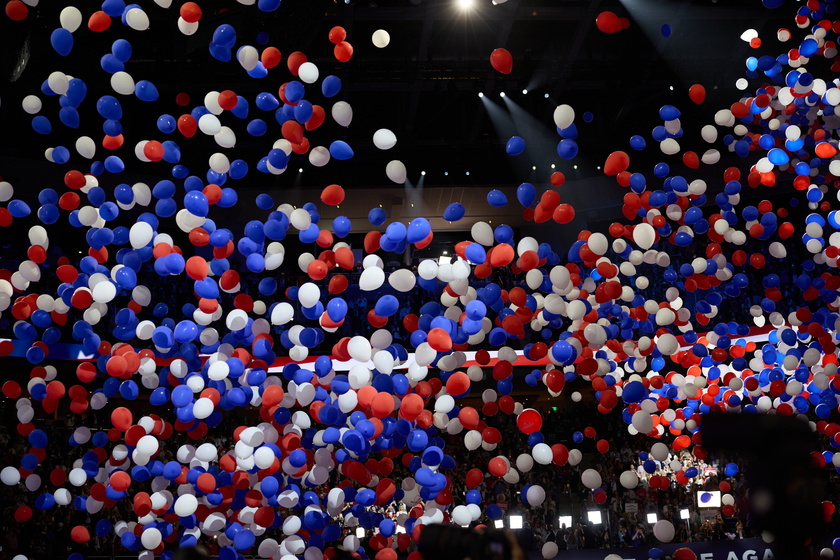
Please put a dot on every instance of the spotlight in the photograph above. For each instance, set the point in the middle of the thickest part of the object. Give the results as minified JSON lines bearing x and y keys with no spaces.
{"x":499,"y":524}
{"x":546,"y":96}
{"x":446,"y":173}
{"x":465,"y":4}
{"x":501,"y":94}
{"x":533,"y":168}
{"x":300,"y":170}
{"x":565,"y":520}
{"x":683,"y":514}
{"x":652,"y":519}
{"x":467,"y":173}
{"x":480,"y":94}
{"x":423,"y":173}
{"x":671,"y":88}
{"x":594,"y":516}
{"x":515,"y":521}
{"x":553,"y":166}
{"x":524,"y":92}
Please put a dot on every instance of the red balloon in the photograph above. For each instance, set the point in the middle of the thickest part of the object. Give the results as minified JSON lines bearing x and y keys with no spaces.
{"x":697,"y":93}
{"x":120,"y":481}
{"x":337,"y":34}
{"x":187,"y":125}
{"x":684,"y":554}
{"x":382,"y":405}
{"x":99,"y":21}
{"x":502,"y":61}
{"x":474,"y":478}
{"x":557,"y":179}
{"x":616,"y":163}
{"x":80,"y":534}
{"x":529,"y":421}
{"x":497,"y":466}
{"x":16,"y":10}
{"x":190,"y":11}
{"x":555,"y":380}
{"x":121,"y":417}
{"x":458,"y":383}
{"x":332,"y":195}
{"x":23,"y":514}
{"x":343,"y":51}
{"x":412,"y":406}
{"x":294,"y":62}
{"x":559,"y":454}
{"x":270,"y":57}
{"x":608,"y":22}
{"x":439,"y":340}
{"x":468,"y":416}
{"x":564,"y":213}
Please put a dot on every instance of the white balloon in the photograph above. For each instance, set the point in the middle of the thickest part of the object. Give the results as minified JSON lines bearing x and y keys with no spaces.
{"x":342,"y":113}
{"x":535,"y":495}
{"x":564,"y":116}
{"x":59,"y":83}
{"x":308,"y":74}
{"x":186,"y":27}
{"x":629,"y":479}
{"x":10,"y":476}
{"x":549,"y":550}
{"x":122,"y":83}
{"x":384,"y":139}
{"x":381,"y":38}
{"x":70,"y":18}
{"x":396,"y":171}
{"x":482,"y":233}
{"x":150,"y":538}
{"x":140,"y":234}
{"x":31,"y":103}
{"x":402,"y":280}
{"x":664,"y":530}
{"x":644,"y":235}
{"x":591,"y":478}
{"x":185,"y":505}
{"x":86,"y":147}
{"x":137,"y":19}
{"x":371,"y":279}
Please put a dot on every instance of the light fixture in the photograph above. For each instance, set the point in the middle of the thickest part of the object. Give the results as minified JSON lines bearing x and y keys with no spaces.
{"x":481,"y":94}
{"x":467,"y":173}
{"x":565,"y":520}
{"x":515,"y":522}
{"x":684,"y":514}
{"x":533,"y":168}
{"x":465,"y":4}
{"x":553,"y":166}
{"x":671,"y":88}
{"x":594,"y":516}
{"x":651,"y":518}
{"x":423,"y":173}
{"x":524,"y":92}
{"x":575,"y":166}
{"x":360,"y":532}
{"x":446,"y":252}
{"x":501,"y":94}
{"x":446,"y":173}
{"x":300,"y":170}
{"x":546,"y":96}
{"x":499,"y":524}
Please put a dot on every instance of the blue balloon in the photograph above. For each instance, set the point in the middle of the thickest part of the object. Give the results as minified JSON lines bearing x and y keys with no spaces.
{"x":340,"y":150}
{"x":225,"y":36}
{"x":377,"y":216}
{"x":496,"y":198}
{"x":121,"y":49}
{"x":62,"y":41}
{"x":146,"y":91}
{"x":337,"y":309}
{"x":341,"y":226}
{"x":453,"y":212}
{"x":567,"y":149}
{"x":526,"y":194}
{"x":515,"y":146}
{"x":475,"y":253}
{"x":418,"y":230}
{"x":665,"y":30}
{"x":41,"y":124}
{"x":386,"y":306}
{"x":331,"y":86}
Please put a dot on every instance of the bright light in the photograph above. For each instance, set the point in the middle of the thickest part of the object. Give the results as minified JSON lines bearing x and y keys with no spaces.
{"x":594,"y":516}
{"x":515,"y":521}
{"x":360,"y":532}
{"x":467,"y":173}
{"x":533,"y":168}
{"x":501,"y":94}
{"x":546,"y":96}
{"x":422,"y":173}
{"x":552,"y":166}
{"x":652,"y":519}
{"x":683,"y":514}
{"x":565,"y":520}
{"x":444,"y":260}
{"x":446,"y":173}
{"x":465,"y":4}
{"x":499,"y":524}
{"x":481,"y":94}
{"x":446,"y":252}
{"x":524,"y":92}
{"x":300,"y":170}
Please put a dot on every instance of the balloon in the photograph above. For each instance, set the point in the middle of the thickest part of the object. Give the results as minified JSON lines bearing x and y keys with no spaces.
{"x":395,"y":170}
{"x":608,"y":22}
{"x":502,"y":61}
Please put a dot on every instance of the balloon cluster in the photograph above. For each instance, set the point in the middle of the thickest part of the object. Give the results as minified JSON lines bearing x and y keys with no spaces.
{"x":323,"y":452}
